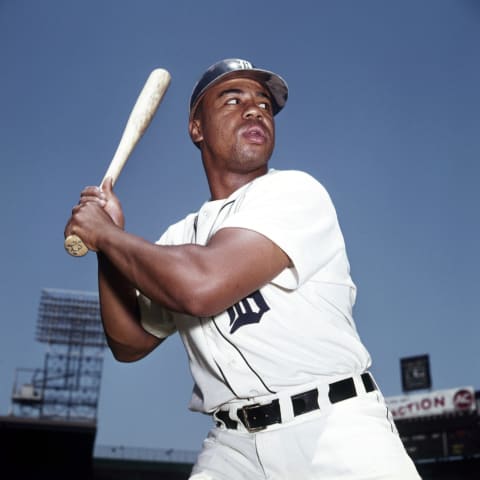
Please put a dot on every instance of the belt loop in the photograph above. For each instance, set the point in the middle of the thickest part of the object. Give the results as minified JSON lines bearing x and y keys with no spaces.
{"x":359,"y":386}
{"x":233,"y":414}
{"x":286,"y":407}
{"x":222,"y":417}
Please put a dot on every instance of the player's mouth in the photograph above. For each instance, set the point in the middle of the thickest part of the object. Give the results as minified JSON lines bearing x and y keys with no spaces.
{"x":255,"y":134}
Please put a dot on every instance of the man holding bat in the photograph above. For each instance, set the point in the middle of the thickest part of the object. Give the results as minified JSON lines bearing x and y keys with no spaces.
{"x":257,"y":283}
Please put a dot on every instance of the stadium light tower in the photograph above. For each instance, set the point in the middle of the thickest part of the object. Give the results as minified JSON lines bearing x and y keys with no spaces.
{"x":68,"y":385}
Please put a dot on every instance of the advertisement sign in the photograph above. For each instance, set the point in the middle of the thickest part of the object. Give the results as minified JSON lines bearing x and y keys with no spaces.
{"x":439,"y":402}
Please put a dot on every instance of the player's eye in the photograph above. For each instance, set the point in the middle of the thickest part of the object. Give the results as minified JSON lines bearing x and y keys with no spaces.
{"x":232,"y":101}
{"x":264,"y":105}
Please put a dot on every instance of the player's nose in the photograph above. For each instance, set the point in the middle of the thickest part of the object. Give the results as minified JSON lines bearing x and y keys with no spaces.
{"x":253,"y":110}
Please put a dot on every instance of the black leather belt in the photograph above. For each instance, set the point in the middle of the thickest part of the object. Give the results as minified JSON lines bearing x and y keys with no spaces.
{"x":257,"y":417}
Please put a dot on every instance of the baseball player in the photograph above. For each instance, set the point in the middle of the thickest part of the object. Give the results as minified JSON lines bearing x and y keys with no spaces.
{"x":257,"y":284}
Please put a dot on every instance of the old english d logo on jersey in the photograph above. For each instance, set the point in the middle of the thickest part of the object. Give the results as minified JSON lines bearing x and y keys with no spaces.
{"x":246,"y":311}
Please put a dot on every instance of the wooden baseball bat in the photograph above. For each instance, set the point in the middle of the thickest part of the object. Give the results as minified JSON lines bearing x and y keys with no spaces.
{"x":140,"y":117}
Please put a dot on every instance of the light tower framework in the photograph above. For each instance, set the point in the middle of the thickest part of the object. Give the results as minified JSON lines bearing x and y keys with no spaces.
{"x":68,"y":385}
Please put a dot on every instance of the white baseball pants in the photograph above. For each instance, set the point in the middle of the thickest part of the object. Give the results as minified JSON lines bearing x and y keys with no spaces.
{"x":355,"y":439}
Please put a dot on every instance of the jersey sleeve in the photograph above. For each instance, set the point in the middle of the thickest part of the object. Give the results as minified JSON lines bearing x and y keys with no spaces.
{"x":293,"y":210}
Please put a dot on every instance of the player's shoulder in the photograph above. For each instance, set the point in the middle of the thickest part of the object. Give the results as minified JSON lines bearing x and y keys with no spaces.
{"x":294,"y":179}
{"x":290,"y":174}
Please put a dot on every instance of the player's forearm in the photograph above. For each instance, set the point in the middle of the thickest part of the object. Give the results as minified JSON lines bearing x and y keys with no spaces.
{"x":172,"y":276}
{"x":197,"y":280}
{"x":126,"y":337}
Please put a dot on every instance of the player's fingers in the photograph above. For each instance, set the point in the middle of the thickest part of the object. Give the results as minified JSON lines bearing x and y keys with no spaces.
{"x":84,"y":207}
{"x":113,"y":206}
{"x":92,"y":192}
{"x":92,"y":199}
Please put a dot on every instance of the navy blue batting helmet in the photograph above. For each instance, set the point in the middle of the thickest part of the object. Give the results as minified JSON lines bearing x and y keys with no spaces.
{"x":236,"y":67}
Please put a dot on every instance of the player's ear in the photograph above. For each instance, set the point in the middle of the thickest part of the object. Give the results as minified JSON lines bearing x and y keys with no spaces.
{"x":195,"y":130}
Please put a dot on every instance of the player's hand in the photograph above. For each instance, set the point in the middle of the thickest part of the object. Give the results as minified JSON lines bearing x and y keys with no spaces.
{"x":112,"y":203}
{"x":97,"y":213}
{"x":104,"y":198}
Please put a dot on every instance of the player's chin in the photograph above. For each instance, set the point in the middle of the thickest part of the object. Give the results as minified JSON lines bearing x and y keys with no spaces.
{"x":261,"y":150}
{"x":254,"y":159}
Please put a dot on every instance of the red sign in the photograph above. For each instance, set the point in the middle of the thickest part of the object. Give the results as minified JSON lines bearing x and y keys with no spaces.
{"x":464,"y":399}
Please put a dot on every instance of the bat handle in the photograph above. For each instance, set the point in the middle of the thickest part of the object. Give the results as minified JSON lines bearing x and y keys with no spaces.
{"x":74,"y":246}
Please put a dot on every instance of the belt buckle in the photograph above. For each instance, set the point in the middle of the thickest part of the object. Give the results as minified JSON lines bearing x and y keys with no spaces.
{"x":242,"y":412}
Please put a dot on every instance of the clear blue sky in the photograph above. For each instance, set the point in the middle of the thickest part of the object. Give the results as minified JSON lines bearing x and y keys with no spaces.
{"x":383,"y":109}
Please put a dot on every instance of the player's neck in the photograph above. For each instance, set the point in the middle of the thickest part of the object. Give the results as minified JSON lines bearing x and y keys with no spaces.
{"x":222,"y":186}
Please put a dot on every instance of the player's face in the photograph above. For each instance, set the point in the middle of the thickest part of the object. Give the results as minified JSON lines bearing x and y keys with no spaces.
{"x":235,"y":126}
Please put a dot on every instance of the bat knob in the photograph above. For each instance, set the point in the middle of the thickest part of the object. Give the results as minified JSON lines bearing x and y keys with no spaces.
{"x":74,"y":246}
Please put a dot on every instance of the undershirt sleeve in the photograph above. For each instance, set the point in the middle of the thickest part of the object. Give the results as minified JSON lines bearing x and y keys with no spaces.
{"x":155,"y":319}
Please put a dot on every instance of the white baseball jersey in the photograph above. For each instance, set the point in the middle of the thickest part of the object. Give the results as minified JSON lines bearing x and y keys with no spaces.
{"x":296,"y":330}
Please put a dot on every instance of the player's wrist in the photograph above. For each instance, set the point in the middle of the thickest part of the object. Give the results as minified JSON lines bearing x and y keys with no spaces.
{"x":108,"y":237}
